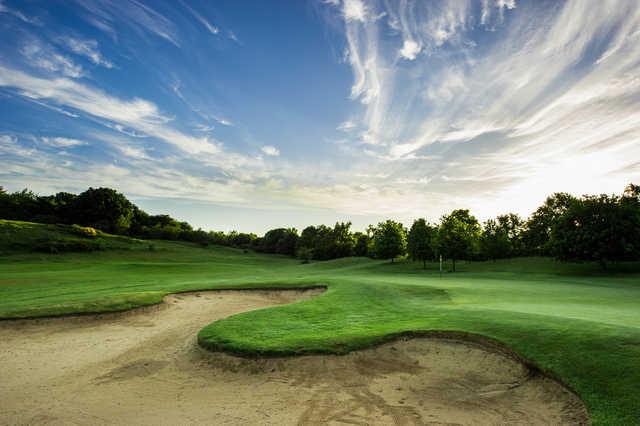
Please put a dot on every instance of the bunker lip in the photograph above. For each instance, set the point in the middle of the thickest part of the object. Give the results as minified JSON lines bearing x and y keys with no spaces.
{"x":155,"y":356}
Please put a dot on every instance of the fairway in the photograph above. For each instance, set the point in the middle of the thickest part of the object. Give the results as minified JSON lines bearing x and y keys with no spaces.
{"x":571,"y":321}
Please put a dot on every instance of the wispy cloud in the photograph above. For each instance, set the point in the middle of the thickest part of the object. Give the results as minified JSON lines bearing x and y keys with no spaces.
{"x":45,"y":57}
{"x":541,"y":97}
{"x":88,"y":49}
{"x":138,"y":114}
{"x":18,"y":14}
{"x":210,"y":27}
{"x":62,"y":142}
{"x":347,"y":126}
{"x":136,"y":16}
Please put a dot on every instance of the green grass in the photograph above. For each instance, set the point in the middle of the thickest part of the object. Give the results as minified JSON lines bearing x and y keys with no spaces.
{"x":572,"y":321}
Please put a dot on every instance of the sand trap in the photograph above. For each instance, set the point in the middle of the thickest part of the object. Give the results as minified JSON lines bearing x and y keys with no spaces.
{"x":146,"y":368}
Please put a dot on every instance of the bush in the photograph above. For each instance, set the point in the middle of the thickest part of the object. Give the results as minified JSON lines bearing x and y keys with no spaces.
{"x":84,"y":231}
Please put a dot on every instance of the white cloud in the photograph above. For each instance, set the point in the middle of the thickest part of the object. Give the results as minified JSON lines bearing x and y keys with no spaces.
{"x":270,"y":150}
{"x":47,"y":58}
{"x":354,"y":10}
{"x":88,"y":49}
{"x":223,"y":121}
{"x":136,"y":16}
{"x":531,"y":113}
{"x":7,"y":139}
{"x":60,"y":142}
{"x":410,"y":50}
{"x":204,"y":128}
{"x":234,"y":37}
{"x":18,"y":14}
{"x":346,"y":126}
{"x":210,"y":27}
{"x":138,"y":114}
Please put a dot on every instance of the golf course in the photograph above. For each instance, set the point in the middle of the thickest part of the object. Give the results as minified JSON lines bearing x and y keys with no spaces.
{"x":572,"y":323}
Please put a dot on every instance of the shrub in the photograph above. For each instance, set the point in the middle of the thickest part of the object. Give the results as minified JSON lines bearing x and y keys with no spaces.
{"x":84,"y":231}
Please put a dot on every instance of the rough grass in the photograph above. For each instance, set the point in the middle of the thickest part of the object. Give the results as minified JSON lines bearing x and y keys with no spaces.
{"x":572,"y":321}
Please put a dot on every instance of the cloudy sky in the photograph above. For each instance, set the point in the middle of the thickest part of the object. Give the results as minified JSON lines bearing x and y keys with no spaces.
{"x":251,"y":115}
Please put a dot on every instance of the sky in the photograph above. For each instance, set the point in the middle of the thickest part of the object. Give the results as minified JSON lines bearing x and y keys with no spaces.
{"x":251,"y":115}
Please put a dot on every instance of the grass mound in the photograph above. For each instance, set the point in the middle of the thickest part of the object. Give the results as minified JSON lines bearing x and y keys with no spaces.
{"x":17,"y":236}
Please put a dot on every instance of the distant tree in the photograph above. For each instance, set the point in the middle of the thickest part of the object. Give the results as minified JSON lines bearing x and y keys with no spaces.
{"x":280,"y":241}
{"x":389,"y":240}
{"x":537,"y":233}
{"x":598,"y":228}
{"x":324,"y":243}
{"x":241,"y":239}
{"x":105,"y":209}
{"x":420,"y":241}
{"x":502,"y":237}
{"x":458,"y":235}
{"x":513,"y":226}
{"x":494,"y":241}
{"x":361,"y":247}
{"x":20,"y":205}
{"x":342,"y":241}
{"x":306,"y":242}
{"x":64,"y":203}
{"x":632,"y":192}
{"x":287,"y":244}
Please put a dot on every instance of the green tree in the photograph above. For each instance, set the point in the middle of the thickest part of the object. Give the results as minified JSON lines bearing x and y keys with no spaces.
{"x":494,"y":241}
{"x":389,"y":240}
{"x":324,"y":243}
{"x":420,"y":241}
{"x":306,"y":243}
{"x":361,"y":247}
{"x":105,"y":209}
{"x":537,"y":233}
{"x":632,"y":192}
{"x":513,"y":226}
{"x":280,"y":241}
{"x":458,"y":235}
{"x":598,"y":228}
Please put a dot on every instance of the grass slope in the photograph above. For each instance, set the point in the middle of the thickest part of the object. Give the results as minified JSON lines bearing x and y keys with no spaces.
{"x":572,"y":321}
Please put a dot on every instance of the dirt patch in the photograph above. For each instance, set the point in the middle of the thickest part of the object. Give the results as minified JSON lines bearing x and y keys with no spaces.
{"x":148,"y":369}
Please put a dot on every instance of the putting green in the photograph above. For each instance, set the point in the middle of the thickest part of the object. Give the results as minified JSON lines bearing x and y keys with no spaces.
{"x":572,"y":321}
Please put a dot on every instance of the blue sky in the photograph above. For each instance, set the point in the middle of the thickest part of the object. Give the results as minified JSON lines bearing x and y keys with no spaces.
{"x":252,"y":115}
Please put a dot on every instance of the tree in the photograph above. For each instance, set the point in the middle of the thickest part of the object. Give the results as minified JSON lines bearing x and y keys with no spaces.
{"x":389,"y":240}
{"x":598,"y":228}
{"x":420,"y":241}
{"x":632,"y":192}
{"x":458,"y":235}
{"x":361,"y":247}
{"x":306,"y":243}
{"x":494,"y":241}
{"x":280,"y":241}
{"x":502,"y":237}
{"x":513,"y":226}
{"x":105,"y":209}
{"x":537,"y":234}
{"x":342,"y":241}
{"x":324,"y":243}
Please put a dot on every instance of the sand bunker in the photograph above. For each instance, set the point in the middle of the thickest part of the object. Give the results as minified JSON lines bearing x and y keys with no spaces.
{"x":146,"y":368}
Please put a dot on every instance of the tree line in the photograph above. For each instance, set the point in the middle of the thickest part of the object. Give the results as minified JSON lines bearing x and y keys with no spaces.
{"x":110,"y":211}
{"x":600,"y":228}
